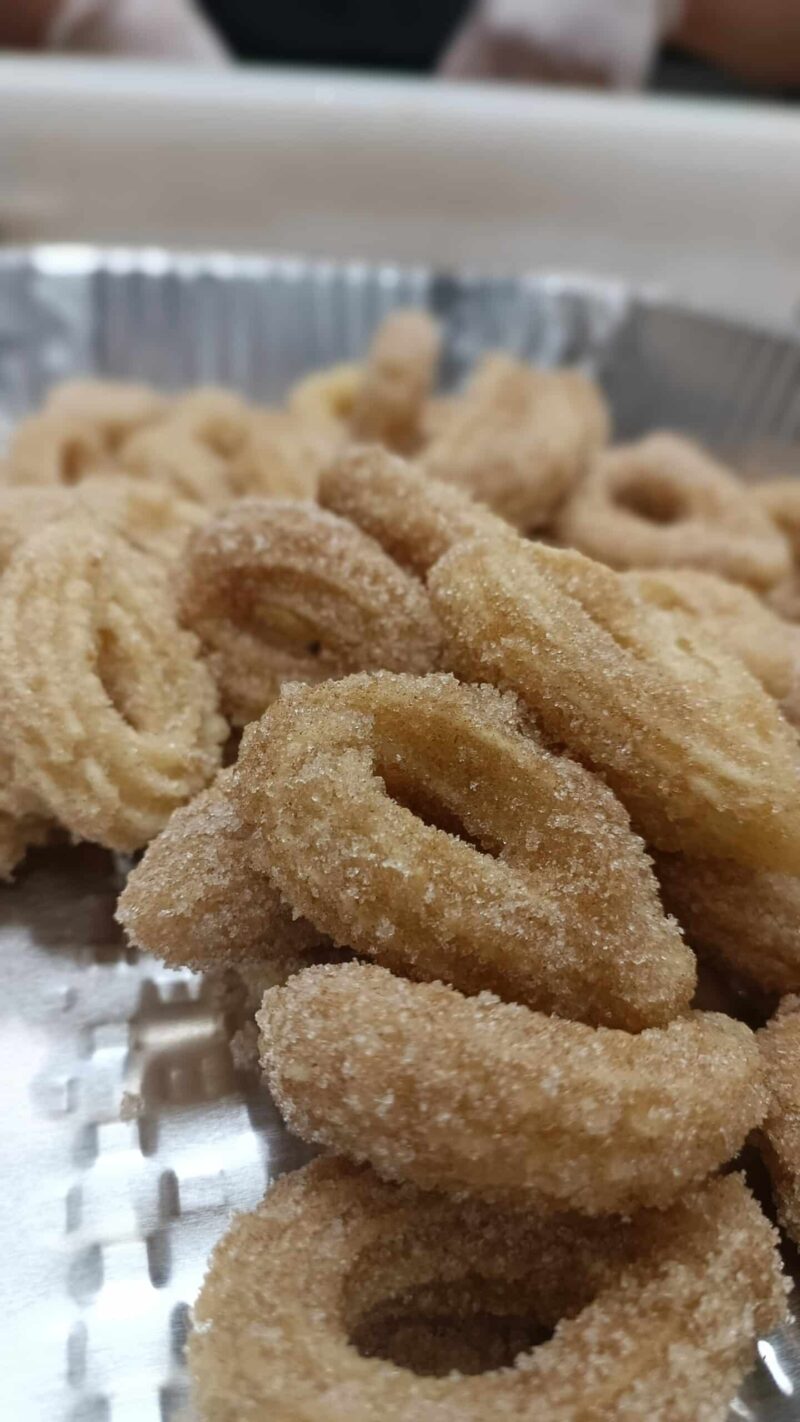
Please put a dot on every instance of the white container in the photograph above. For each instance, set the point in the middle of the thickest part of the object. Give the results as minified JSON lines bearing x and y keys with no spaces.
{"x":702,"y":199}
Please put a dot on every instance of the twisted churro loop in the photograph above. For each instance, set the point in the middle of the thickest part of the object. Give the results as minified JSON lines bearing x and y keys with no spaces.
{"x":489,"y":1098}
{"x":653,"y":1316}
{"x":551,"y":901}
{"x":693,"y":746}
{"x":110,"y":714}
{"x":281,"y":591}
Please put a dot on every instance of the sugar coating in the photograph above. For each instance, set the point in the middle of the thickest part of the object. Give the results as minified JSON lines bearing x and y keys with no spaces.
{"x":746,"y":920}
{"x":780,"y":1133}
{"x":551,"y":902}
{"x":414,"y":518}
{"x":693,"y":746}
{"x":398,"y":376}
{"x":780,"y":499}
{"x":519,"y":438}
{"x":108,"y":713}
{"x":486,"y":1097}
{"x":738,"y":621}
{"x":280,"y":591}
{"x":654,"y":1317}
{"x":664,"y":502}
{"x":196,"y":901}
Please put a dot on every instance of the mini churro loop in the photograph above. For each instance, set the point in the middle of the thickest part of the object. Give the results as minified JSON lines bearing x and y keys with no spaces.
{"x":551,"y":901}
{"x":519,"y":438}
{"x":780,"y":1134}
{"x":693,"y":746}
{"x":655,"y":1316}
{"x":747,"y":919}
{"x":414,"y":518}
{"x":664,"y":502}
{"x":399,"y":374}
{"x":195,"y":899}
{"x":487,"y":1098}
{"x":110,"y":714}
{"x":282,"y":591}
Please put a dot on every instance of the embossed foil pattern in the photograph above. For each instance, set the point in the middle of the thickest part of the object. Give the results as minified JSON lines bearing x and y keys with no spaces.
{"x":128,"y":1135}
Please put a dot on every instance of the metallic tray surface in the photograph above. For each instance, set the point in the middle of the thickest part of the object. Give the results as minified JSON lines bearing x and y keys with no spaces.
{"x":107,"y":1219}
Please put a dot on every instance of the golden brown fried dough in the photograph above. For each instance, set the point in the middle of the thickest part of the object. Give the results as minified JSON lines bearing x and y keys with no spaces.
{"x":195,"y":899}
{"x":747,"y":919}
{"x":357,"y":792}
{"x":281,"y":591}
{"x":109,"y":713}
{"x":487,"y":1098}
{"x":693,"y":746}
{"x":655,"y":1316}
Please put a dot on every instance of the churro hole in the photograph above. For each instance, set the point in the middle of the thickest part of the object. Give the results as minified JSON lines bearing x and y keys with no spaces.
{"x":651,"y":499}
{"x":428,"y":1332}
{"x":433,"y":810}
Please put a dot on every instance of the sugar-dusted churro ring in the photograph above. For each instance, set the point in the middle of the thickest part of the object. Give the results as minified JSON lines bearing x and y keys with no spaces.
{"x":357,"y":791}
{"x":747,"y":919}
{"x":693,"y":746}
{"x":398,"y":376}
{"x":414,"y":518}
{"x":780,"y":1133}
{"x":280,"y":457}
{"x":109,"y":713}
{"x":281,"y":591}
{"x":738,"y":621}
{"x":654,"y":1317}
{"x":195,"y":899}
{"x":520,"y":438}
{"x":780,"y":499}
{"x":664,"y":502}
{"x":486,"y":1097}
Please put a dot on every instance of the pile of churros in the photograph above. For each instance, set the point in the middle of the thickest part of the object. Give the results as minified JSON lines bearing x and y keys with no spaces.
{"x":466,"y":745}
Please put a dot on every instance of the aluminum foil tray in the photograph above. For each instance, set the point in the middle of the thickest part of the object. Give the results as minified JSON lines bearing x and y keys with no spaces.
{"x":106,"y":1220}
